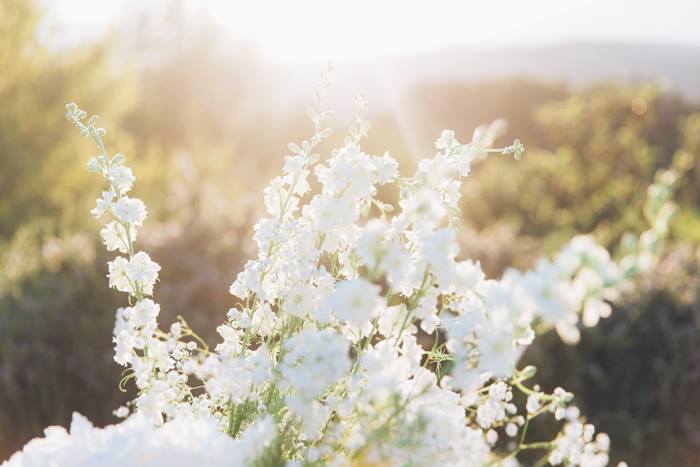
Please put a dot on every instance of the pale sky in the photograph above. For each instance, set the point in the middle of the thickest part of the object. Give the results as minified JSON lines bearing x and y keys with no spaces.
{"x":302,"y":31}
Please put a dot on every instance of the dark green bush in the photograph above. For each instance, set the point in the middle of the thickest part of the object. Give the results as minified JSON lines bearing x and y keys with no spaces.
{"x":636,"y":375}
{"x":56,"y":319}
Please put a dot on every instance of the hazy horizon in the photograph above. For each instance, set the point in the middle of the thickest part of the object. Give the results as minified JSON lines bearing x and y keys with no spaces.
{"x":285,"y":33}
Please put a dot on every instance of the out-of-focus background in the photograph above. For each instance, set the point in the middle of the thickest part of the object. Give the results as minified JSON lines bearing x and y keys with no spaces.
{"x":202,"y":98}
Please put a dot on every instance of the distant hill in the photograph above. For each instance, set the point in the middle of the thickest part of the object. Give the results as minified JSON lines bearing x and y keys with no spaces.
{"x":578,"y":64}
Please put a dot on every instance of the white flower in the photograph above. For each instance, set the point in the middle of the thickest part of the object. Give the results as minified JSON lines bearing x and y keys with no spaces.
{"x":313,"y":360}
{"x":103,"y":204}
{"x":497,"y":352}
{"x":387,"y":168}
{"x":184,"y":441}
{"x":577,"y":447}
{"x":264,"y":320}
{"x":144,"y":314}
{"x":119,"y":274}
{"x":231,"y":344}
{"x":446,"y":140}
{"x":350,"y":172}
{"x":439,"y":250}
{"x":256,"y":439}
{"x":94,"y":165}
{"x":121,"y":178}
{"x":425,"y":207}
{"x":468,"y":276}
{"x":143,"y":270}
{"x":391,"y":319}
{"x":278,"y":200}
{"x":593,"y":310}
{"x":483,"y":138}
{"x":296,"y":174}
{"x":426,"y":310}
{"x":370,"y":244}
{"x":115,"y":237}
{"x":329,"y":213}
{"x":300,"y":300}
{"x":355,"y":301}
{"x":533,"y":403}
{"x":124,"y":338}
{"x":130,"y":210}
{"x":383,"y":380}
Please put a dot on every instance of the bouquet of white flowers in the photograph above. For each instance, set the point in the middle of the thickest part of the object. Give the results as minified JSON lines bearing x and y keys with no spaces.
{"x":361,"y":337}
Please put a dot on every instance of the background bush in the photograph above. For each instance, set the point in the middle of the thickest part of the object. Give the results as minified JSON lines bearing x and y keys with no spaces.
{"x":55,"y":333}
{"x":636,"y":374}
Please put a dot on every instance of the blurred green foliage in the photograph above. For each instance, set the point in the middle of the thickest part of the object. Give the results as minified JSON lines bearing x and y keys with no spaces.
{"x":602,"y":147}
{"x":195,"y":122}
{"x":39,"y":173}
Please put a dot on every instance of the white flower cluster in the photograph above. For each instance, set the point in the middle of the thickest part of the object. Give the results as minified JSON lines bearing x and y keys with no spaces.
{"x":185,"y":440}
{"x":577,"y":446}
{"x":361,"y":336}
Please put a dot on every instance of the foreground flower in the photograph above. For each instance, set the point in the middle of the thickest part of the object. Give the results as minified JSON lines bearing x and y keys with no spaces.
{"x":184,"y":441}
{"x":360,"y":335}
